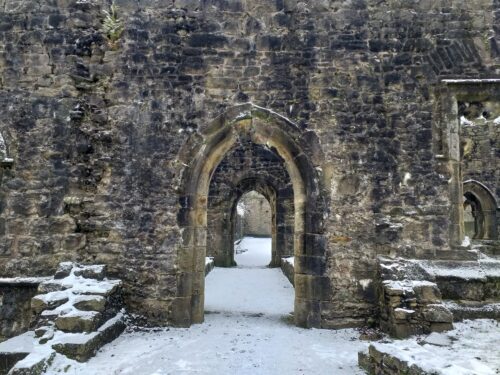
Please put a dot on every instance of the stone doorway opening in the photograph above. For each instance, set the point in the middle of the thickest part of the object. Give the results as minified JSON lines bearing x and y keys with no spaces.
{"x":254,"y":220}
{"x":251,"y":148}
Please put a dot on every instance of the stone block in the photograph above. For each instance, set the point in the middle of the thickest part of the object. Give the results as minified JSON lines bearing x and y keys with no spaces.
{"x":8,"y":360}
{"x":97,"y":272}
{"x":440,"y":327}
{"x":403,"y":314}
{"x":426,"y":294}
{"x":33,"y":364}
{"x":364,"y":361}
{"x":314,"y":244}
{"x":90,"y":303}
{"x":184,"y":284}
{"x":312,"y":287}
{"x":437,"y":314}
{"x":310,"y":265}
{"x":63,"y":270}
{"x":307,"y":313}
{"x":48,"y":301}
{"x":87,"y":321}
{"x":52,"y":286}
{"x":403,"y":330}
{"x":74,"y":347}
{"x":180,"y":312}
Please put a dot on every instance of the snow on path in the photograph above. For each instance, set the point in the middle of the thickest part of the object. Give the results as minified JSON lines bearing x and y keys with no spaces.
{"x":244,"y":333}
{"x":248,"y":289}
{"x":256,"y":252}
{"x":226,"y":344}
{"x":264,"y":291}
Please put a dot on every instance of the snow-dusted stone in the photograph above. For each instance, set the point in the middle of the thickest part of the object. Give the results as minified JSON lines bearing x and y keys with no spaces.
{"x":14,"y":350}
{"x":403,"y":314}
{"x":438,"y":339}
{"x":49,"y":300}
{"x":209,"y":265}
{"x":103,"y":288}
{"x":427,"y":293}
{"x":78,"y":321}
{"x":97,"y":272}
{"x":48,"y":335}
{"x":40,"y":331}
{"x":34,"y":364}
{"x":462,"y":310}
{"x":438,"y":314}
{"x":287,"y":267}
{"x":470,"y":348}
{"x":90,"y":303}
{"x":81,"y":346}
{"x":53,"y":286}
{"x":64,"y":270}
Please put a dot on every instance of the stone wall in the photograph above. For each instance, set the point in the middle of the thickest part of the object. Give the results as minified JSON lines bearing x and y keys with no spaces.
{"x":257,"y":218}
{"x":480,"y":140}
{"x":102,"y":133}
{"x":15,"y":305}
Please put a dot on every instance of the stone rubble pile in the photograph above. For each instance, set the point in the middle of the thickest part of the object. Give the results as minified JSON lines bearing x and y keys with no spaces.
{"x":75,"y":313}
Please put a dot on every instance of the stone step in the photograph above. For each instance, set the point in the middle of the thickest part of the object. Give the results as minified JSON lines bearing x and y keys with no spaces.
{"x":15,"y":349}
{"x":34,"y":363}
{"x":90,"y":303}
{"x":465,"y":280}
{"x":49,"y":301}
{"x":81,"y":347}
{"x":79,"y":321}
{"x":97,"y":272}
{"x":105,"y":288}
{"x":462,"y":310}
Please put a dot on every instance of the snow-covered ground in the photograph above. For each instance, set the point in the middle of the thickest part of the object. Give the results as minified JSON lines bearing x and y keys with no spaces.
{"x":253,"y":252}
{"x":247,"y":330}
{"x":471,"y":348}
{"x":251,"y":287}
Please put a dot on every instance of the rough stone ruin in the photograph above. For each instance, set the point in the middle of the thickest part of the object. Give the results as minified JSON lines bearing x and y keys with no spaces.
{"x":371,"y":128}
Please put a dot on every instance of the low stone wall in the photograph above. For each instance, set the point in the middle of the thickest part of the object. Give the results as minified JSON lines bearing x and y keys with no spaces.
{"x":379,"y":363}
{"x":288,"y":269}
{"x":409,"y":306}
{"x":15,"y":305}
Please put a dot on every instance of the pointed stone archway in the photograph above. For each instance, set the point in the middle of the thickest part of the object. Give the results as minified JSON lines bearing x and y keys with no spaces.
{"x":293,"y":145}
{"x":245,"y":168}
{"x":485,"y":207}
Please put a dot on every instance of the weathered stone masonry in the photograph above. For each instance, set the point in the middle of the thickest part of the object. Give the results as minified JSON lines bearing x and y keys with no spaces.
{"x":113,"y":147}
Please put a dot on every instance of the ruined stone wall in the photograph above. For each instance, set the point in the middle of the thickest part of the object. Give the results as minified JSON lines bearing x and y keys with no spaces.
{"x":481,"y":143}
{"x":257,"y":219}
{"x":15,"y":306}
{"x":480,"y":139}
{"x":95,"y":129}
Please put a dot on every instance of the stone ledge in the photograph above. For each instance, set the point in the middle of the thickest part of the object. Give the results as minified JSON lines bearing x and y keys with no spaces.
{"x":376,"y":362}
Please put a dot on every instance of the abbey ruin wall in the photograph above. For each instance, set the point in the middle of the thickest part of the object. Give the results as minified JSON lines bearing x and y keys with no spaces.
{"x":102,"y":133}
